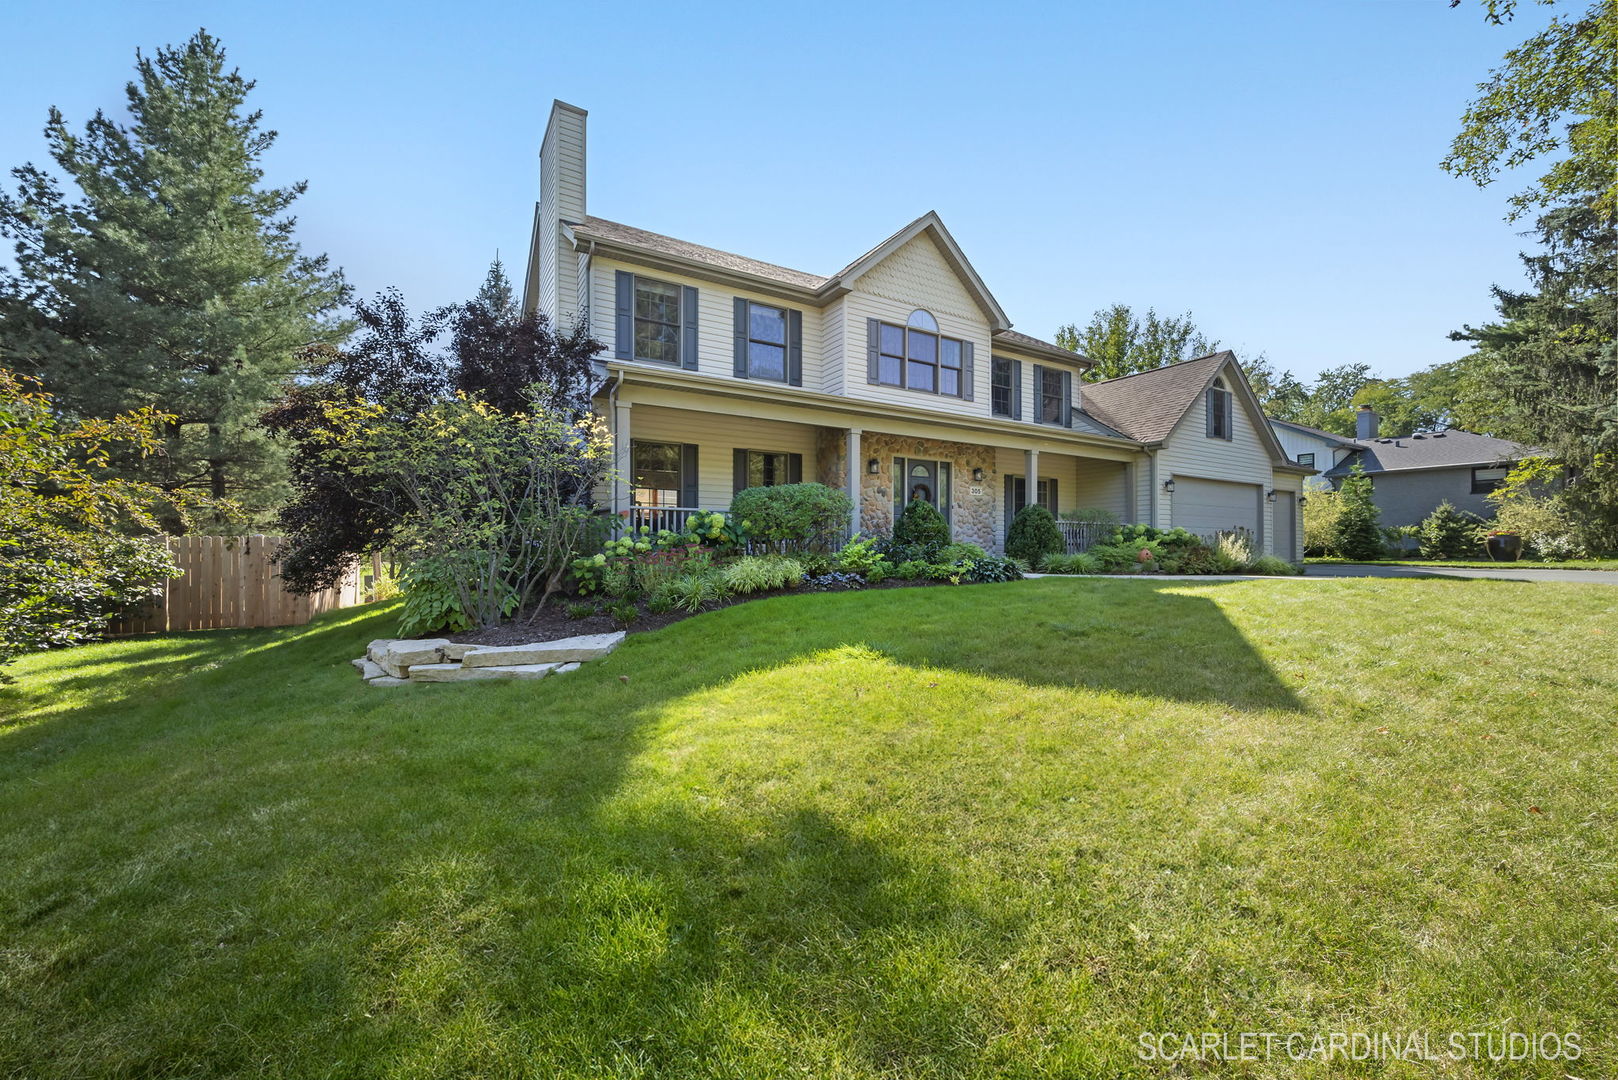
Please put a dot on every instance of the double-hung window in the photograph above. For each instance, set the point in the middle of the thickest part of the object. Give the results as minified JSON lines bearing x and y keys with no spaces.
{"x":657,"y":321}
{"x":766,"y":342}
{"x":766,"y":468}
{"x":917,"y":357}
{"x":1487,"y":480}
{"x":1052,"y":396}
{"x":1001,"y":386}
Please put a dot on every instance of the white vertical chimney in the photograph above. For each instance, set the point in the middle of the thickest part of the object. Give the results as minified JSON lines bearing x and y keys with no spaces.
{"x":553,"y":267}
{"x":1366,"y":423}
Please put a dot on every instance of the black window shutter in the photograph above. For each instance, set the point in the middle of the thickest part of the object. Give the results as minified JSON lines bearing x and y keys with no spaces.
{"x":1039,"y":393}
{"x":1054,"y":501}
{"x":899,"y":482}
{"x":794,"y":468}
{"x":1210,"y":403}
{"x":741,"y":339}
{"x":688,"y":329}
{"x":1011,"y":501}
{"x":1067,"y":399}
{"x":1016,"y":389}
{"x":1230,"y":416}
{"x":688,"y":475}
{"x":968,"y":377}
{"x":871,"y":339}
{"x":624,"y":324}
{"x":795,"y":348}
{"x":739,"y":471}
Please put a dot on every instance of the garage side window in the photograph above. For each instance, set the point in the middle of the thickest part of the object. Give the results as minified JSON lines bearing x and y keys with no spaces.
{"x":1219,"y":410}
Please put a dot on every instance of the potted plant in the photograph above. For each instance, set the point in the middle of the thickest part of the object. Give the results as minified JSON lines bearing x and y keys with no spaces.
{"x":1503,"y":546}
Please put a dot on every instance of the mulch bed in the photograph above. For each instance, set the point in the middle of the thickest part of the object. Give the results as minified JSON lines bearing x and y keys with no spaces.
{"x":551,"y":622}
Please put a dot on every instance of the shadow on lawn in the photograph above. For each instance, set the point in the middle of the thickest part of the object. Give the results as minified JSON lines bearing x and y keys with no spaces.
{"x":1140,"y":638}
{"x":472,"y":879}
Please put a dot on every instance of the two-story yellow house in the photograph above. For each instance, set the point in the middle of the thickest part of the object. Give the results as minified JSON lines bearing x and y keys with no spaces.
{"x":899,"y":377}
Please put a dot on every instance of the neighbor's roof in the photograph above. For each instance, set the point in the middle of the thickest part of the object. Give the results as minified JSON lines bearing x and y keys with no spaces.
{"x":1451,"y":449}
{"x":594,"y":228}
{"x":1145,"y":406}
{"x":1330,"y":436}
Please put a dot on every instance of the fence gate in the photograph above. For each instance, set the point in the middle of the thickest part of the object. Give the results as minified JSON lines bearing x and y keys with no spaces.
{"x":233,"y":581}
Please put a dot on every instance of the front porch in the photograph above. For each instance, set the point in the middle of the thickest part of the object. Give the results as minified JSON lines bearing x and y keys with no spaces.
{"x":673,"y":461}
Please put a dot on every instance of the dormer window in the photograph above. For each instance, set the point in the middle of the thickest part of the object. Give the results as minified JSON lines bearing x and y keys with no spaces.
{"x":1219,"y":410}
{"x":916,"y":356}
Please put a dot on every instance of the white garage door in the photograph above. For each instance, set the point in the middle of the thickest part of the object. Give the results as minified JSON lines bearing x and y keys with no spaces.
{"x":1210,"y":506}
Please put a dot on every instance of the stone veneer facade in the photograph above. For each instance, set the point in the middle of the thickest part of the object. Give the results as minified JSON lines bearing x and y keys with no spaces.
{"x":974,"y":504}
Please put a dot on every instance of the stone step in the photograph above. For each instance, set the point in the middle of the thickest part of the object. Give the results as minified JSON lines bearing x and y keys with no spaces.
{"x":567,"y":650}
{"x":463,"y":673}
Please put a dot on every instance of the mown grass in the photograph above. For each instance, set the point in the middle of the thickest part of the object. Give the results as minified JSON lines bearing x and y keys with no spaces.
{"x":986,"y":831}
{"x":1521,"y":564}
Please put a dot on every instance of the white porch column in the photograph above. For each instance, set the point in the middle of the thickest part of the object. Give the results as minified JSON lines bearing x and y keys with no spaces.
{"x":1031,"y":475}
{"x":856,"y":466}
{"x":621,"y":458}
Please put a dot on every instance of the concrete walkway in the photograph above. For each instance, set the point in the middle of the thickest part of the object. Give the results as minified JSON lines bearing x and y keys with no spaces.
{"x":1502,"y":573}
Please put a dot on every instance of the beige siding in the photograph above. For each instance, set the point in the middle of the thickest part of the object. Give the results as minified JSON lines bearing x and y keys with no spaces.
{"x":1188,"y":451}
{"x":716,"y":437}
{"x":561,"y":198}
{"x":915,"y":276}
{"x":716,"y":317}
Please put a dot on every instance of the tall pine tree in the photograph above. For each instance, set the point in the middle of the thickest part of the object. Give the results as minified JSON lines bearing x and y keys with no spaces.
{"x":170,"y":276}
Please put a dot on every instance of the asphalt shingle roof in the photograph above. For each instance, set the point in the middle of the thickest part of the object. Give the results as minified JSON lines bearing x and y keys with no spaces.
{"x":1453,"y":448}
{"x":1145,"y":406}
{"x":1341,"y":440}
{"x":616,"y":232}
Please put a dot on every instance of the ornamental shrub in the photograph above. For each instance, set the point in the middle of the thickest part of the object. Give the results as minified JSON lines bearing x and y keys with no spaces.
{"x":920,"y":525}
{"x":1448,"y":533}
{"x":1034,"y":535}
{"x":793,"y":517}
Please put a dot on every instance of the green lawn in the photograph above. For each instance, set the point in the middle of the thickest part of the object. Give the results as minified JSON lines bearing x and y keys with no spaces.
{"x":1524,"y":564}
{"x":985,"y":831}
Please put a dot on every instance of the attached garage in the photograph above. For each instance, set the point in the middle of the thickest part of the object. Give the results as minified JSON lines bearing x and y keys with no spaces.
{"x":1211,"y":506}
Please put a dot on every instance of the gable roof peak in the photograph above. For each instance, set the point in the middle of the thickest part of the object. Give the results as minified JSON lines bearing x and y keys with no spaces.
{"x":933,"y":225}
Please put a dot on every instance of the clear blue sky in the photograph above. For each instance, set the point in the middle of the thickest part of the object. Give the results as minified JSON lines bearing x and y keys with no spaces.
{"x":1271,"y":167}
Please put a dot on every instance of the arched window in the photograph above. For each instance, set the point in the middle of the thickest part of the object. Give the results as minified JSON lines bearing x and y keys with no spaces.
{"x":923,"y":320}
{"x":1219,"y":410}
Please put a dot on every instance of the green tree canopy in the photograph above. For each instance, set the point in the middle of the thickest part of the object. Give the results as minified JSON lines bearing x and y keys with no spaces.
{"x":1551,"y":98}
{"x":169,"y":277}
{"x":1122,"y":342}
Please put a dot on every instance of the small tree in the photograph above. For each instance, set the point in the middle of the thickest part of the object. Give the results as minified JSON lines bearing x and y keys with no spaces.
{"x":494,"y":505}
{"x":1034,"y":535}
{"x":1448,"y":533}
{"x":920,"y":525}
{"x":76,"y":547}
{"x":1356,"y":535}
{"x":1321,"y":509}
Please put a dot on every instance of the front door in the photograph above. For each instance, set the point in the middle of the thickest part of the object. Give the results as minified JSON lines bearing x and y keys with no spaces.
{"x":921,"y":482}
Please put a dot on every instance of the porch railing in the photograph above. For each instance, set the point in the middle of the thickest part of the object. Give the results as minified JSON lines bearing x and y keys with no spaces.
{"x":1083,"y":535}
{"x":657,"y":518}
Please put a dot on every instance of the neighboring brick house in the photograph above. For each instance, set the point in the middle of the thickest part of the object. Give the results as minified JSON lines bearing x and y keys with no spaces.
{"x":898,"y":377}
{"x":1412,"y":474}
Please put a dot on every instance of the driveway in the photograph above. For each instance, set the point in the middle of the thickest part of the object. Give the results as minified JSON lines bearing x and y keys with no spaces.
{"x":1583,"y":577}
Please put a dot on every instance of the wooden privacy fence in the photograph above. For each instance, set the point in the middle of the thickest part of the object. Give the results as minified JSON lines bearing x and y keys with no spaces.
{"x":231,"y":581}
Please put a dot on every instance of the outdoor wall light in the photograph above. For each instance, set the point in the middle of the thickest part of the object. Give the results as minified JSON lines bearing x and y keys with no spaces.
{"x":873,"y":466}
{"x":1269,"y":496}
{"x":1302,"y":499}
{"x":1168,"y":486}
{"x":977,"y":474}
